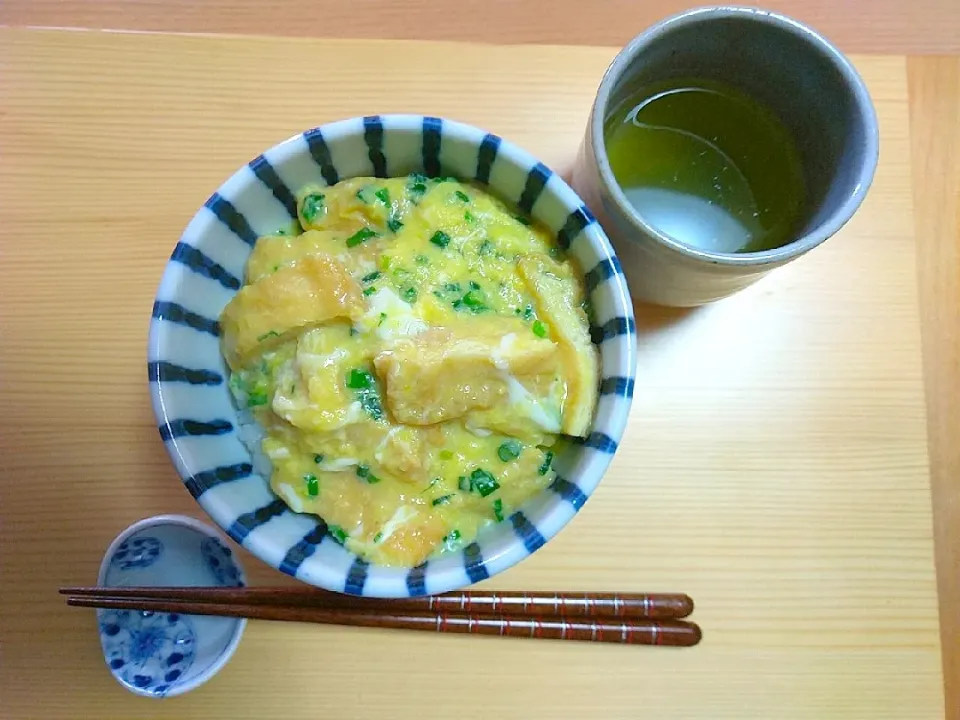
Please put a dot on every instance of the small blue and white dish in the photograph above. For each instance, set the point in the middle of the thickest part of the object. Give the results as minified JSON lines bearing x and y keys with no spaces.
{"x":199,"y":423}
{"x":163,"y":654}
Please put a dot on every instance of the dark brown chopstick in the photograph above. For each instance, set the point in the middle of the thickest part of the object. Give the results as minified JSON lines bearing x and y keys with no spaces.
{"x":529,"y":604}
{"x":627,"y":631}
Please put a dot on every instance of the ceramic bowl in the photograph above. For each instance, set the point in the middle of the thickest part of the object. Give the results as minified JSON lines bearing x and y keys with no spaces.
{"x":198,"y":421}
{"x":163,"y":654}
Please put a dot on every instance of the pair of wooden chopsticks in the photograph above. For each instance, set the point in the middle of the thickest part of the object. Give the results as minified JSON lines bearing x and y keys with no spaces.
{"x":600,"y":617}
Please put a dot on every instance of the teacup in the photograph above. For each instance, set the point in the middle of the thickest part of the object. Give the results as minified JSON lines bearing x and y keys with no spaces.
{"x":785,"y":66}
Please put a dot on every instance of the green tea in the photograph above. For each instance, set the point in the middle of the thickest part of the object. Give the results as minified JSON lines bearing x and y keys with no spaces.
{"x":707,"y":165}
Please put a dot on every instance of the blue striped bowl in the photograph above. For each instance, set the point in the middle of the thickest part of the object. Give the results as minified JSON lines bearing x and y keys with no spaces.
{"x":198,"y":421}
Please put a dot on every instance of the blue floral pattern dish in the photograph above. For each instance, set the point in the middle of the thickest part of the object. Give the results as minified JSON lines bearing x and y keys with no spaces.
{"x":148,"y":650}
{"x":219,"y":559}
{"x":139,"y":552}
{"x":163,"y":654}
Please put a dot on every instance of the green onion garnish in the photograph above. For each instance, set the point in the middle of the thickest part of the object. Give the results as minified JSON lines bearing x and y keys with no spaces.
{"x":498,"y":509}
{"x":256,"y":398}
{"x":383,"y":195}
{"x":312,"y":206}
{"x":410,"y":295}
{"x":370,"y":277}
{"x":440,"y":239}
{"x":540,"y":329}
{"x":394,"y":225}
{"x":338,"y":533}
{"x":451,"y":541}
{"x":359,"y":379}
{"x":361,"y":235}
{"x":545,"y":465}
{"x":444,"y":500}
{"x":483,"y":482}
{"x":313,"y":485}
{"x":509,"y":450}
{"x":363,"y":471}
{"x":318,"y":459}
{"x":462,"y":196}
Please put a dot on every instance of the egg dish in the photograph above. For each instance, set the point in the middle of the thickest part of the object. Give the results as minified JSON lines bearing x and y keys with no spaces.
{"x":415,"y":352}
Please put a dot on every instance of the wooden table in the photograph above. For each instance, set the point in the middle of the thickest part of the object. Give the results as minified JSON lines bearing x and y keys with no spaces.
{"x":928,"y":32}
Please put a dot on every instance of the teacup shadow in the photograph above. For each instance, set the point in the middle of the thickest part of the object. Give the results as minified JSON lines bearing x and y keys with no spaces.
{"x":655,"y":319}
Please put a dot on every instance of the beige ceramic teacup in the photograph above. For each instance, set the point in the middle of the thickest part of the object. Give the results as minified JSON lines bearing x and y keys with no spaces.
{"x":781,"y":63}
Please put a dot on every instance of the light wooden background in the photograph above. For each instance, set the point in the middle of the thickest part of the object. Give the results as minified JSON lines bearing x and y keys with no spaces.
{"x":925,"y":28}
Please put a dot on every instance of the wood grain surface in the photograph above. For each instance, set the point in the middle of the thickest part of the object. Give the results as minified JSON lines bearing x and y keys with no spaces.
{"x":935,"y":130}
{"x":877,"y":26}
{"x":884,"y":26}
{"x":775,"y":467}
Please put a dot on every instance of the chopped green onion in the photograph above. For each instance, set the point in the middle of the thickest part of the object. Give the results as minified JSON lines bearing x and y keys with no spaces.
{"x":473,"y":301}
{"x":422,"y":260}
{"x":417,"y":185}
{"x":540,"y":329}
{"x":483,"y":482}
{"x":353,"y":331}
{"x":410,"y":295}
{"x":394,"y":225}
{"x":498,"y":509}
{"x":451,"y":541}
{"x":318,"y":459}
{"x":444,"y":500}
{"x":359,"y":379}
{"x":383,"y":316}
{"x":474,"y":285}
{"x":509,"y":450}
{"x":383,"y":195}
{"x":545,"y":465}
{"x":527,"y":312}
{"x":363,"y":471}
{"x":272,"y":333}
{"x":452,"y":287}
{"x":440,"y":239}
{"x":378,"y":537}
{"x":462,"y":196}
{"x":361,"y":235}
{"x":369,"y":291}
{"x":463,"y":482}
{"x":468,"y":216}
{"x":486,"y":247}
{"x":257,"y":398}
{"x":312,"y":206}
{"x":338,"y":533}
{"x":370,"y":277}
{"x":313,"y":485}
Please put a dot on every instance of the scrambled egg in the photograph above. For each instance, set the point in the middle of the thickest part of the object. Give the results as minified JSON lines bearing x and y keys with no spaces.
{"x":413,"y":354}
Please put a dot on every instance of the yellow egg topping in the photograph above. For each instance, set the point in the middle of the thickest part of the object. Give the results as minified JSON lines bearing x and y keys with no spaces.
{"x":412,"y":356}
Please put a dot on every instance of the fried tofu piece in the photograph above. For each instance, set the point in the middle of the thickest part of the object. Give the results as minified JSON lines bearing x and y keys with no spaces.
{"x":275,"y":251}
{"x":315,"y":290}
{"x":558,"y":295}
{"x":445,"y":373}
